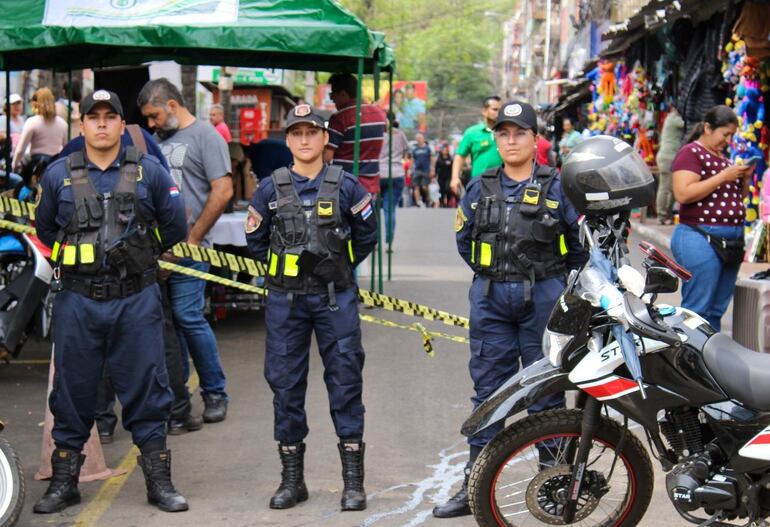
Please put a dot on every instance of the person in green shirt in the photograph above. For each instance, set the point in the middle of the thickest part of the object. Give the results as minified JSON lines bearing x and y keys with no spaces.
{"x":478,"y":142}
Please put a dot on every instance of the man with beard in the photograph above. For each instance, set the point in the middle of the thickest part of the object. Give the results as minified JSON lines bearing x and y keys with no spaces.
{"x":199,"y":162}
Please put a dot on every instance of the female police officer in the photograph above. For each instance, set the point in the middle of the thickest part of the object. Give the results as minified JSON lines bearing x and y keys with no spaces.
{"x":107,"y":212}
{"x":518,"y":233}
{"x":313,"y":224}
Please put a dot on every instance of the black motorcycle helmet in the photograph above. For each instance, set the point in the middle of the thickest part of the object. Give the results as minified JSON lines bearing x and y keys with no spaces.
{"x":604,"y":175}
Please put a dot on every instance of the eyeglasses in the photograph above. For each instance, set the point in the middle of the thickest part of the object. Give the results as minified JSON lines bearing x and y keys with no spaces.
{"x":517,"y":136}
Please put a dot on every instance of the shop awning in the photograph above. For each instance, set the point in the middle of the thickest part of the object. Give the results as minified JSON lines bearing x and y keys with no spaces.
{"x":315,"y":35}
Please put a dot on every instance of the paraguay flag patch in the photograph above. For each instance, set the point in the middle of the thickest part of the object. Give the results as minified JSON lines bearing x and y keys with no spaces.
{"x":366,"y":211}
{"x":173,"y":191}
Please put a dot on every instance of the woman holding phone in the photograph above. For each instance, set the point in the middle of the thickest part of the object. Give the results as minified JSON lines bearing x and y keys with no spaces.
{"x":709,"y":238}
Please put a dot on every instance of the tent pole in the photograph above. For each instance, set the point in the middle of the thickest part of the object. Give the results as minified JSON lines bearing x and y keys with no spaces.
{"x":69,"y":104}
{"x":8,"y":140}
{"x":393,"y":199}
{"x":380,"y":201}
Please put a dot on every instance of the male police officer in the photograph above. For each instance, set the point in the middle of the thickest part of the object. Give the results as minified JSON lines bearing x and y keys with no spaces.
{"x":313,"y":223}
{"x":107,"y":212}
{"x":518,"y":233}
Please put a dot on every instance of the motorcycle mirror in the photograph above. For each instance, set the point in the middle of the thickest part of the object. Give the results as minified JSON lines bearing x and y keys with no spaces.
{"x":660,"y":280}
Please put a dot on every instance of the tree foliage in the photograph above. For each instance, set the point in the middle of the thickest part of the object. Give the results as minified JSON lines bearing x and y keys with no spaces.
{"x":451,"y":44}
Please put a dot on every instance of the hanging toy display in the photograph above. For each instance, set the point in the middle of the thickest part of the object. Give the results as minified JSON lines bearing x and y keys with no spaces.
{"x":747,"y":78}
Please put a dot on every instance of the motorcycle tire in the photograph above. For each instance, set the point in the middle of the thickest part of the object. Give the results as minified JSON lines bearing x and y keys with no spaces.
{"x":513,"y":444}
{"x":12,"y":485}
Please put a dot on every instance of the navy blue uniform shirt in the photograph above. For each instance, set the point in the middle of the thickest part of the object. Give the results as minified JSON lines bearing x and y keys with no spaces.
{"x":356,"y":212}
{"x":565,"y":213}
{"x":156,"y":193}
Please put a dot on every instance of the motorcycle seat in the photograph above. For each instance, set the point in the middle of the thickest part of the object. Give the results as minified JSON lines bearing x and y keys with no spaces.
{"x":742,"y":373}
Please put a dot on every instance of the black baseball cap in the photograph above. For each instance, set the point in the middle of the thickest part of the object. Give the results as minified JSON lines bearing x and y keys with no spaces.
{"x":518,"y":113}
{"x":304,"y":113}
{"x":100,"y":96}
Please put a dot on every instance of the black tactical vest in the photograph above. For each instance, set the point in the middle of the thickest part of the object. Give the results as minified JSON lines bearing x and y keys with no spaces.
{"x":518,"y":238}
{"x":314,"y":227}
{"x":108,"y":234}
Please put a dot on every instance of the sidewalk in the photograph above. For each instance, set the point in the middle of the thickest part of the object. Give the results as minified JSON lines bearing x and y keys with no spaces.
{"x":660,"y":235}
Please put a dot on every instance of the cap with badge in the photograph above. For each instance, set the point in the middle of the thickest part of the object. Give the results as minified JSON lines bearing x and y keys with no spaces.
{"x":304,"y":113}
{"x":100,"y":96}
{"x":519,"y":113}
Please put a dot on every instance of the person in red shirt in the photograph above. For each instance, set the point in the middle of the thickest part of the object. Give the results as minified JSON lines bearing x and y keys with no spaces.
{"x":544,"y":147}
{"x":217,"y":118}
{"x":342,"y":129}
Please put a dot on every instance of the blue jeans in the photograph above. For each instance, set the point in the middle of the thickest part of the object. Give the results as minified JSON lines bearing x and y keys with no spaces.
{"x":196,"y":338}
{"x":389,"y":204}
{"x":711,"y":288}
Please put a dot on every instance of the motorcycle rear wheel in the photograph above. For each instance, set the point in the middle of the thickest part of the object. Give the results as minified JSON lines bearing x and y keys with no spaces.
{"x":12,"y":486}
{"x":513,"y":482}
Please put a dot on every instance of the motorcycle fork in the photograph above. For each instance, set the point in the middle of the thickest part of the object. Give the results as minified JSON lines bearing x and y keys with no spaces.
{"x":591,"y":415}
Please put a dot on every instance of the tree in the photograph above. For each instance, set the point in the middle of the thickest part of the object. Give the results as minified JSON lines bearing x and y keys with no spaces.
{"x":448,"y":43}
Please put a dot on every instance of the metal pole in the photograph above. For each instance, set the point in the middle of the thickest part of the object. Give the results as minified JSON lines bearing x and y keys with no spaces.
{"x":392,"y":199}
{"x":380,"y":207}
{"x":547,"y":38}
{"x":69,"y":104}
{"x":8,"y":140}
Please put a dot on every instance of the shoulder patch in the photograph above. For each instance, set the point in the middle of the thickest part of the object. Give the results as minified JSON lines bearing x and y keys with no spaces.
{"x":460,"y":219}
{"x":551,"y":203}
{"x":66,"y":182}
{"x":358,"y":207}
{"x":253,"y":220}
{"x":272,"y":205}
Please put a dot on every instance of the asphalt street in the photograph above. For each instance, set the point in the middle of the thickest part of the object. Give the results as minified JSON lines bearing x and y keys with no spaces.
{"x":228,"y":471}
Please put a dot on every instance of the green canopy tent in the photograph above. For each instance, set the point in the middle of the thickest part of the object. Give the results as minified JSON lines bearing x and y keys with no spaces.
{"x":315,"y":35}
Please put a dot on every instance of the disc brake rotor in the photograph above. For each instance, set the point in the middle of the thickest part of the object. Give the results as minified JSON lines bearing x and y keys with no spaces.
{"x":547,"y":495}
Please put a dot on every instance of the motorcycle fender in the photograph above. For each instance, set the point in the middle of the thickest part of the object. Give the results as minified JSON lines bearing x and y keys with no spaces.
{"x":517,"y":394}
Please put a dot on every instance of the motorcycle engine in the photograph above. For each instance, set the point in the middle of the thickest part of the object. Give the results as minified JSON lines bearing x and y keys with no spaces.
{"x":696,"y":483}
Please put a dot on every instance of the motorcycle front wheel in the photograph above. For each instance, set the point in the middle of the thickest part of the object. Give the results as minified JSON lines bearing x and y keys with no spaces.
{"x":11,"y":485}
{"x":523,"y":475}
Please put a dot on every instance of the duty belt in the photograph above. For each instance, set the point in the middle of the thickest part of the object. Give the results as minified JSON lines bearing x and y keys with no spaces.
{"x":108,"y":289}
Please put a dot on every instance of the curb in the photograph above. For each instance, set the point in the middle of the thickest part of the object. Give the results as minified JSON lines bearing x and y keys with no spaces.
{"x":652,"y":234}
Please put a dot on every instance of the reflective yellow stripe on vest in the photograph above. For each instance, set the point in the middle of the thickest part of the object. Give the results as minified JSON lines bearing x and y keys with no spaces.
{"x":485,"y":259}
{"x":563,"y":245}
{"x":87,"y":254}
{"x":55,"y":251}
{"x":70,"y":255}
{"x":273,"y":267}
{"x":350,"y":251}
{"x":473,"y":251}
{"x":290,"y":267}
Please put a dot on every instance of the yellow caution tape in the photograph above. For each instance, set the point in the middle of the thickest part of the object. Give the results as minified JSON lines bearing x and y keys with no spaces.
{"x":20,"y":209}
{"x":370,"y":298}
{"x":238,"y":263}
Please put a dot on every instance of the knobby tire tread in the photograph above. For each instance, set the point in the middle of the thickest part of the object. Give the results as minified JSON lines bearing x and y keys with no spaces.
{"x":524,"y":431}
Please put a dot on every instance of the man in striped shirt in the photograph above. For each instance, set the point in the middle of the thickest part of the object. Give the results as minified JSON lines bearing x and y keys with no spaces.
{"x":342,"y":129}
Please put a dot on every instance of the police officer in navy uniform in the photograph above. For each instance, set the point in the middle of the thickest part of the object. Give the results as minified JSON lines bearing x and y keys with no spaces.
{"x":518,"y":233}
{"x":313,"y":224}
{"x":107,"y":212}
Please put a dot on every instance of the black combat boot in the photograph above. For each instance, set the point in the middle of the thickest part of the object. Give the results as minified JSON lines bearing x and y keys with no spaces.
{"x":190,"y":423}
{"x":458,"y":504}
{"x":353,"y":495}
{"x":292,"y":489}
{"x":157,"y":476}
{"x":63,"y":489}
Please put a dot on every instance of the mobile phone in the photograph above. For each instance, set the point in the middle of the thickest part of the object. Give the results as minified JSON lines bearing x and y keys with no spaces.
{"x":753,"y":160}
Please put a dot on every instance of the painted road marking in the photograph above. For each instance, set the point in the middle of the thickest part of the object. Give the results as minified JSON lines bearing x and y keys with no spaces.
{"x":103,"y":499}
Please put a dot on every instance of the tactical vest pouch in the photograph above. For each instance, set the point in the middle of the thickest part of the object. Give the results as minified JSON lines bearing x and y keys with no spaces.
{"x":489,"y":214}
{"x":546,"y":229}
{"x":530,"y":200}
{"x":485,"y":250}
